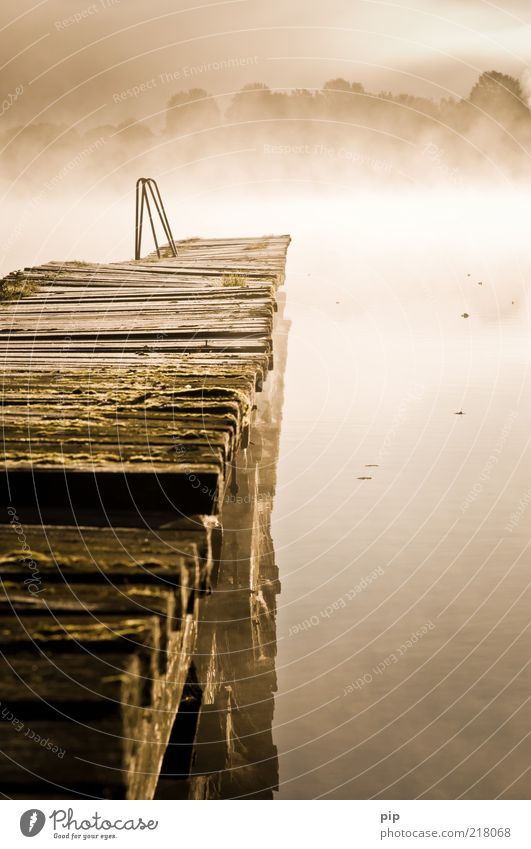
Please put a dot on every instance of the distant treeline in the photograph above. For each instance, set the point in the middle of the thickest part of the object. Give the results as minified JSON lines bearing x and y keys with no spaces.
{"x":339,"y":129}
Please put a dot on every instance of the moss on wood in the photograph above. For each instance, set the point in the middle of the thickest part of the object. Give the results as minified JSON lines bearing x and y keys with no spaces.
{"x":16,"y":286}
{"x":237,"y":280}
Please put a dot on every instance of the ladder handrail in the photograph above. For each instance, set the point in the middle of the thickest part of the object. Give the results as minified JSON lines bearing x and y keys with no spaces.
{"x":144,"y":187}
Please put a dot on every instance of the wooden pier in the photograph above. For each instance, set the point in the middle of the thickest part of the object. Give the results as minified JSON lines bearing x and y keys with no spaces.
{"x":128,"y":390}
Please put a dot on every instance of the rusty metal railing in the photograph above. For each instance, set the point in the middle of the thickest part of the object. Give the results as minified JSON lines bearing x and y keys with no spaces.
{"x":147,"y":188}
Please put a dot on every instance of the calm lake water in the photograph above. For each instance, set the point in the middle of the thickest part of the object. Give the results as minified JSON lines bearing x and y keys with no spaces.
{"x":403,"y":619}
{"x":401,"y":530}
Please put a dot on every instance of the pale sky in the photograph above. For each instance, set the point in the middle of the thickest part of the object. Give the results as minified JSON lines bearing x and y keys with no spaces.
{"x":79,"y":69}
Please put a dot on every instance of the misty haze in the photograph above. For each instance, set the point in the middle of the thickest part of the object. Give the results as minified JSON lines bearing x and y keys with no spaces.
{"x":371,"y":589}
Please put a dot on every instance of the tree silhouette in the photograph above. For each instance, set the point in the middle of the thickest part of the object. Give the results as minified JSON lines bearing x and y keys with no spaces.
{"x":191,"y":110}
{"x":498,"y":93}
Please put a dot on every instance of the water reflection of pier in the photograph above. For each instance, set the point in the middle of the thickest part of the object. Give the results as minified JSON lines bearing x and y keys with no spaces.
{"x":222,"y":744}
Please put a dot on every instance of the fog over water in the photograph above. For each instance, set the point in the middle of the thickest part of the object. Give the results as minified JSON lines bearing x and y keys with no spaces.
{"x":396,"y":156}
{"x":435,"y":542}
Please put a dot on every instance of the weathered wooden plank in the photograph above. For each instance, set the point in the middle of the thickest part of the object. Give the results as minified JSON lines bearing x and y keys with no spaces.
{"x":96,"y":600}
{"x":178,"y":555}
{"x":109,"y":743}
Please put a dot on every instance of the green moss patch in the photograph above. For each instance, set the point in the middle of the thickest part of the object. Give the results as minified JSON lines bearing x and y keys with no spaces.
{"x":237,"y":280}
{"x":16,"y":286}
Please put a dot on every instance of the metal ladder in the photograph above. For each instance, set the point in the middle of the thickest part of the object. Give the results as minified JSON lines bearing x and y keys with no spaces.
{"x":146,"y":186}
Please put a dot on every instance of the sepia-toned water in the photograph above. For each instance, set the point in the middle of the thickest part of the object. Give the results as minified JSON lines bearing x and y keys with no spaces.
{"x":402,"y":625}
{"x":402,"y":512}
